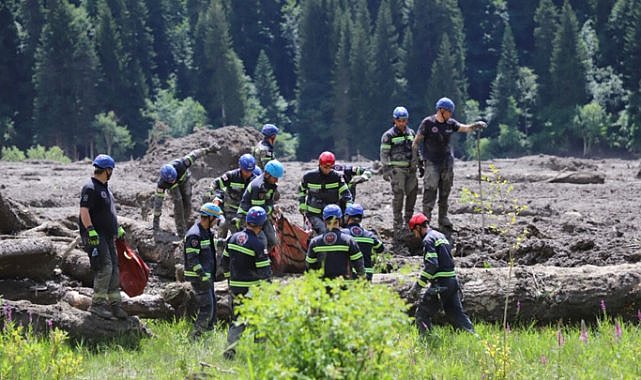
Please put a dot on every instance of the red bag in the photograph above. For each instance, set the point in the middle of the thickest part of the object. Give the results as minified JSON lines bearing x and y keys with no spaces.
{"x":289,"y":255}
{"x":134,"y":273}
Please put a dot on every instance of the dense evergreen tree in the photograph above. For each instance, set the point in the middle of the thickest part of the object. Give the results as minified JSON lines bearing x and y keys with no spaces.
{"x":268,"y":93}
{"x":218,"y":78}
{"x":445,"y":78}
{"x":505,"y":90}
{"x":65,"y":79}
{"x":314,"y":108}
{"x":568,"y":74}
{"x":161,"y":24}
{"x":546,"y":18}
{"x":9,"y":71}
{"x":341,"y":96}
{"x":112,"y":57}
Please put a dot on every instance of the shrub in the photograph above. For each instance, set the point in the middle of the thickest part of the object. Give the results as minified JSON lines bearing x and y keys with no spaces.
{"x":54,"y":153}
{"x":12,"y":153}
{"x":37,"y":152}
{"x":324,"y":329}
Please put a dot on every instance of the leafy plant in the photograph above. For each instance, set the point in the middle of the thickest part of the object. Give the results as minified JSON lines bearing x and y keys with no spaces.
{"x":323,"y":329}
{"x":12,"y":153}
{"x":112,"y":138}
{"x":52,"y":154}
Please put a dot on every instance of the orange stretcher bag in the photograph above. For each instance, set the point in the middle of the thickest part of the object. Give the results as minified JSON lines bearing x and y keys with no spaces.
{"x":288,"y":256}
{"x":134,"y":273}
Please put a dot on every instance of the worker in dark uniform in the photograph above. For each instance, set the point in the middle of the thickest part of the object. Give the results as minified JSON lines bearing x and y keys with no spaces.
{"x":319,"y":188}
{"x":367,"y":241}
{"x":98,"y":225}
{"x":174,"y":177}
{"x":264,"y":150}
{"x":245,"y":263}
{"x":200,"y":264}
{"x":353,"y":175}
{"x":437,"y":162}
{"x":399,"y":168}
{"x":335,"y":253}
{"x":261,"y":192}
{"x":439,"y":274}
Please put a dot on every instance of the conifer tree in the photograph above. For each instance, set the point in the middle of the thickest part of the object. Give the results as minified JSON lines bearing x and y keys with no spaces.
{"x":546,"y":19}
{"x":341,"y":87}
{"x":445,"y":78}
{"x":219,"y":78}
{"x":268,"y":93}
{"x":9,"y":71}
{"x":505,"y":92}
{"x":65,"y":77}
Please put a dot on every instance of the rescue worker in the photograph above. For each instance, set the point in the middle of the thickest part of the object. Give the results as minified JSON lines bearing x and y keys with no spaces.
{"x":98,"y":225}
{"x":436,"y":165}
{"x":174,"y":177}
{"x":334,"y":252}
{"x":319,"y":188}
{"x":353,"y":175}
{"x":245,"y":263}
{"x":227,"y":190}
{"x":261,"y":192}
{"x":200,"y":264}
{"x":399,"y":167}
{"x":439,"y":274}
{"x":264,"y":150}
{"x":367,"y":241}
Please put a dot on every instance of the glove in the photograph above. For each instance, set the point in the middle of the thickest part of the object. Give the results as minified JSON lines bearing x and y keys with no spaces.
{"x":479,"y":125}
{"x":358,"y":179}
{"x":236,"y":222}
{"x":421,"y":169}
{"x":302,"y":208}
{"x":94,"y":239}
{"x":121,"y":232}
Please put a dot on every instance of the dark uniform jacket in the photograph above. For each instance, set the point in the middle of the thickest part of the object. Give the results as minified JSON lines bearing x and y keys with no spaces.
{"x":199,"y":252}
{"x":336,"y":253}
{"x":317,"y":190}
{"x":396,"y":148}
{"x":258,"y":193}
{"x":438,"y":258}
{"x":97,"y":197}
{"x":229,"y":189}
{"x":436,"y":138}
{"x":367,"y":242}
{"x":245,"y":261}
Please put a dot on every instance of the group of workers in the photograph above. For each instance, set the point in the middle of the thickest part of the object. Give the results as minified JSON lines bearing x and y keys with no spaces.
{"x":240,"y":203}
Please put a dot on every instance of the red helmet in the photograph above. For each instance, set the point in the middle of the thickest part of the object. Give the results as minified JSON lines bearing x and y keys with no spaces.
{"x":418,"y":220}
{"x":326,"y":158}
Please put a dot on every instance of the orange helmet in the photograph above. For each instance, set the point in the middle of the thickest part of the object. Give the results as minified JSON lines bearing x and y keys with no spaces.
{"x":326,"y":158}
{"x":418,"y":220}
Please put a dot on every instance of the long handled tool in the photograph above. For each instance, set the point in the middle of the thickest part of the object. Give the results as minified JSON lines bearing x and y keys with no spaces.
{"x":478,"y":156}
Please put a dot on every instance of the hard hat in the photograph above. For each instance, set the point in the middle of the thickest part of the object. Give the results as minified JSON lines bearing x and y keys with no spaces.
{"x":332,"y":211}
{"x":275,"y":169}
{"x":355,"y":209}
{"x":418,"y":219}
{"x":446,"y":104}
{"x":400,"y":113}
{"x":257,"y":171}
{"x":247,"y":162}
{"x":269,"y":130}
{"x":168,"y":173}
{"x":103,"y":161}
{"x":210,"y":209}
{"x":256,"y":216}
{"x":326,"y":158}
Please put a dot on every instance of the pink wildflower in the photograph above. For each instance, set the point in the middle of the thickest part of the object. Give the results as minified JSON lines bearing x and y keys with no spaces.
{"x":560,"y":339}
{"x":544,"y":360}
{"x":584,"y":332}
{"x":617,"y":330}
{"x":603,"y":308}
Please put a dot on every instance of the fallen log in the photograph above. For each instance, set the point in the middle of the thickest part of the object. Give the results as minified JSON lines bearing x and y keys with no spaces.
{"x":580,"y":178}
{"x":33,"y":257}
{"x":75,"y":264}
{"x":144,"y":306}
{"x":544,"y":294}
{"x":80,"y":325}
{"x":14,"y":216}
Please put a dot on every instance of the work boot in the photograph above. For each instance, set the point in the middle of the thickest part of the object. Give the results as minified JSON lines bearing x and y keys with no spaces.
{"x":118,"y":311}
{"x":443,"y":220}
{"x":195,"y":334}
{"x":101,"y":310}
{"x":229,"y":354}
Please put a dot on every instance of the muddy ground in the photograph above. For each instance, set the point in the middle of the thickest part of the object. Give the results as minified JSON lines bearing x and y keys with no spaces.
{"x":564,"y":224}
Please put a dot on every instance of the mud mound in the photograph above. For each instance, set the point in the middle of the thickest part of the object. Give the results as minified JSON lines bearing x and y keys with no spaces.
{"x":231,"y":142}
{"x":567,"y":164}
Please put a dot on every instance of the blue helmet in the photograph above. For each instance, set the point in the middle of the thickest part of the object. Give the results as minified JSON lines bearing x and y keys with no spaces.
{"x":332,"y":211}
{"x":168,"y":173}
{"x":269,"y":130}
{"x":257,"y":171}
{"x":275,"y":169}
{"x":354,"y":209}
{"x":256,"y":216}
{"x":446,"y":104}
{"x":247,"y":162}
{"x":400,"y":113}
{"x":103,"y":161}
{"x":210,"y":209}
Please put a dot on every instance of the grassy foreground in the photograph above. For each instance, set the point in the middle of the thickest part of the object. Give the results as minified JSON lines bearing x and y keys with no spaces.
{"x":609,"y":350}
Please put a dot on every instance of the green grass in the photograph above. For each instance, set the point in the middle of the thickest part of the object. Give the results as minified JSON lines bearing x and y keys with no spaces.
{"x":531,"y":353}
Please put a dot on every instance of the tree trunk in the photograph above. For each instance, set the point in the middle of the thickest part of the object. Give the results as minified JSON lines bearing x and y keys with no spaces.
{"x":18,"y":256}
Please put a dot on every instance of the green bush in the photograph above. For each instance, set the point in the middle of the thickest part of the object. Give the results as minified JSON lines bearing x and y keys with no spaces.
{"x":37,"y":152}
{"x":12,"y":153}
{"x":286,"y":145}
{"x":54,"y":153}
{"x":325,"y":329}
